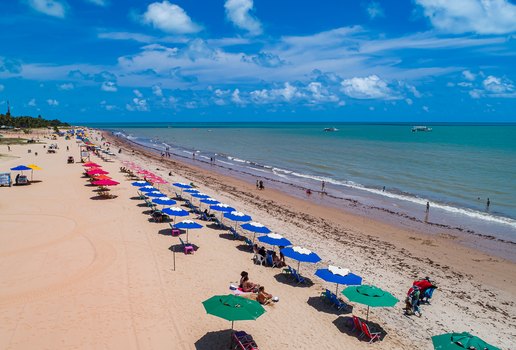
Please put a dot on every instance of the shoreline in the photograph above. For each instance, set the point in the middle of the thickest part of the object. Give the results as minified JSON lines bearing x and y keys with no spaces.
{"x":486,"y":243}
{"x":79,"y":272}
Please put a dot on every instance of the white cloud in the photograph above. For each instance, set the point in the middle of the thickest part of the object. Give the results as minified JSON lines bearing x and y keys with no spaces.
{"x":238,"y":12}
{"x":375,"y":10}
{"x":464,"y":84}
{"x":109,"y":86}
{"x":98,"y":2}
{"x":426,"y":109}
{"x":137,"y":93}
{"x":371,"y":87}
{"x":142,"y":38}
{"x":235,"y":97}
{"x":169,"y":18}
{"x":137,"y":105}
{"x":53,"y":102}
{"x":156,"y":90}
{"x":318,"y":93}
{"x":107,"y":106}
{"x":468,"y":75}
{"x":2,"y":88}
{"x":498,"y":86}
{"x":286,"y":94}
{"x":409,"y":101}
{"x":475,"y":93}
{"x":32,"y":102}
{"x":479,"y":16}
{"x":66,"y":86}
{"x":52,"y":8}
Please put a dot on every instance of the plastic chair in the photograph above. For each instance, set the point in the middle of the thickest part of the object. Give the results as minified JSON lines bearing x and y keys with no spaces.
{"x":258,"y":259}
{"x":175,"y":231}
{"x":188,"y":248}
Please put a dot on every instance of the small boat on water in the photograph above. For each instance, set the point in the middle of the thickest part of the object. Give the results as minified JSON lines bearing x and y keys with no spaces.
{"x":331,"y":129}
{"x":421,"y":128}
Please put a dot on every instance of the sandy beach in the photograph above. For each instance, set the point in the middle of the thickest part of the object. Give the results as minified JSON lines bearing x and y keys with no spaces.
{"x":82,"y":273}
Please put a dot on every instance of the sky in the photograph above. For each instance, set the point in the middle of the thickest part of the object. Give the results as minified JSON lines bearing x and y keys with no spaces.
{"x":261,"y":60}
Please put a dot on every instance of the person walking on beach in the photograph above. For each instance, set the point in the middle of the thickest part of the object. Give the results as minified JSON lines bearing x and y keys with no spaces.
{"x":261,"y":185}
{"x":427,"y":206}
{"x":488,"y":203}
{"x":9,"y":148}
{"x":323,"y":184}
{"x":257,"y":184}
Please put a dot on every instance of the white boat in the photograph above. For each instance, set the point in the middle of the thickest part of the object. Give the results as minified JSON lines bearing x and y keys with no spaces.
{"x":421,"y":128}
{"x":331,"y":129}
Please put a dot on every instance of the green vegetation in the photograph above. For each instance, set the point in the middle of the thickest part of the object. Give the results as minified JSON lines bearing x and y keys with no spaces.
{"x":26,"y":122}
{"x":12,"y":141}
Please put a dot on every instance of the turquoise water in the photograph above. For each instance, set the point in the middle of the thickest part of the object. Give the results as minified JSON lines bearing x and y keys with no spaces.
{"x":455,"y":167}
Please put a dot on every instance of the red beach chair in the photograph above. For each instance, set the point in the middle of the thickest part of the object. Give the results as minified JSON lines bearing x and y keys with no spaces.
{"x":243,"y":341}
{"x":372,"y":336}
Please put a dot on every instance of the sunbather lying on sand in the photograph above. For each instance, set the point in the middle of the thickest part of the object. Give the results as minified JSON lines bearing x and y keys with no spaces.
{"x":263,"y":297}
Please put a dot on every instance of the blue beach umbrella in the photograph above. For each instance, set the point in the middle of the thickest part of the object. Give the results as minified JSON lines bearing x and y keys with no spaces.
{"x":187,"y":225}
{"x":164,"y":201}
{"x":148,"y":189}
{"x":209,"y":200}
{"x":20,"y":168}
{"x":237,"y":216}
{"x":175,"y":211}
{"x":255,"y":227}
{"x":338,"y":275}
{"x":222,"y":208}
{"x":200,"y":195}
{"x":155,"y":194}
{"x":140,"y":183}
{"x":301,"y":255}
{"x":181,"y":185}
{"x":274,"y":239}
{"x":191,"y":190}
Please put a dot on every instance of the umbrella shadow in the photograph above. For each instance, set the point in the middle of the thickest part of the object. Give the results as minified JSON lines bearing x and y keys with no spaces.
{"x":142,"y":205}
{"x":290,"y":280}
{"x":244,"y":248}
{"x":227,"y":236}
{"x":215,"y":340}
{"x":35,"y":181}
{"x":165,"y":232}
{"x":214,"y":226}
{"x":99,"y":197}
{"x":135,"y":198}
{"x":345,"y":325}
{"x":321,"y":305}
{"x":178,"y":248}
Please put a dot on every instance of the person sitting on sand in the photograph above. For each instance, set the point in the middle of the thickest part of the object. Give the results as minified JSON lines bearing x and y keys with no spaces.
{"x":262,"y":251}
{"x":246,"y":285}
{"x":277,"y":261}
{"x":263,"y":297}
{"x":412,"y":301}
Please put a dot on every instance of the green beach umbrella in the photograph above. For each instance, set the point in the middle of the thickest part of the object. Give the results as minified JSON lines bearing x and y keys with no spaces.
{"x":459,"y":341}
{"x":370,"y":295}
{"x":233,"y":308}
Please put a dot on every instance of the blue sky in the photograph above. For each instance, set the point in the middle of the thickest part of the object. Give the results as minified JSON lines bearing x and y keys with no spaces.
{"x":261,"y":60}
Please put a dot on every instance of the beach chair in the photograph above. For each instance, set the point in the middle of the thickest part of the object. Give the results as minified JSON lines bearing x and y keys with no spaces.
{"x":258,"y":259}
{"x":187,"y":247}
{"x":357,"y":326}
{"x":339,"y":304}
{"x":326,"y":295}
{"x":178,"y":196}
{"x":175,"y":231}
{"x":141,"y":195}
{"x":219,"y":223}
{"x":203,"y":216}
{"x":288,"y":271}
{"x":243,"y":341}
{"x":235,"y":234}
{"x":372,"y":336}
{"x":248,"y":242}
{"x":298,"y":277}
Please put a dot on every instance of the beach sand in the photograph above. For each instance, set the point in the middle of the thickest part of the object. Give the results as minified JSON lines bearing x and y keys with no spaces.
{"x":82,"y":273}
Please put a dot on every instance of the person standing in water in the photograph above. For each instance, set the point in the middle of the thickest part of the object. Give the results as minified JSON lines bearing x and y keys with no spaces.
{"x":488,"y":203}
{"x":323,"y":184}
{"x":427,"y":206}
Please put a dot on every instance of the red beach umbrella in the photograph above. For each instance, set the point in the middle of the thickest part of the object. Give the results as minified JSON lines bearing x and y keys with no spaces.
{"x":97,"y":171}
{"x":106,"y":182}
{"x":91,"y":165}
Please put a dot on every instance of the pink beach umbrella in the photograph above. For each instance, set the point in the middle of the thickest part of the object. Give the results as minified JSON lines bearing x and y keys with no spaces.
{"x":91,"y":165}
{"x":106,"y":182}
{"x":97,"y":171}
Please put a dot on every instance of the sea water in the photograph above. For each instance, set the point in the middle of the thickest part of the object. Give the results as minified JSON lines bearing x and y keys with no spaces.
{"x":456,"y":168}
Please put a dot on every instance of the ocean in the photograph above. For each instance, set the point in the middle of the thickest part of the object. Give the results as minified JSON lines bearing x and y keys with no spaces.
{"x":456,"y":168}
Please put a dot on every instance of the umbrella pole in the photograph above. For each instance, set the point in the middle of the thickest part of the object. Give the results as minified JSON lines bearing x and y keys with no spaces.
{"x":367,"y":316}
{"x":298,"y":264}
{"x":187,"y":236}
{"x":232,"y":324}
{"x":337,"y":289}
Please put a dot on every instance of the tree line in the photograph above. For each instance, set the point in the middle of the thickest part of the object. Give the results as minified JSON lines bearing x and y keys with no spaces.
{"x":25,"y":122}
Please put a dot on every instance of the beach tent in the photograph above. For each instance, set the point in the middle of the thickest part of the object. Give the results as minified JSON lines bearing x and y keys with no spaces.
{"x":33,"y":167}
